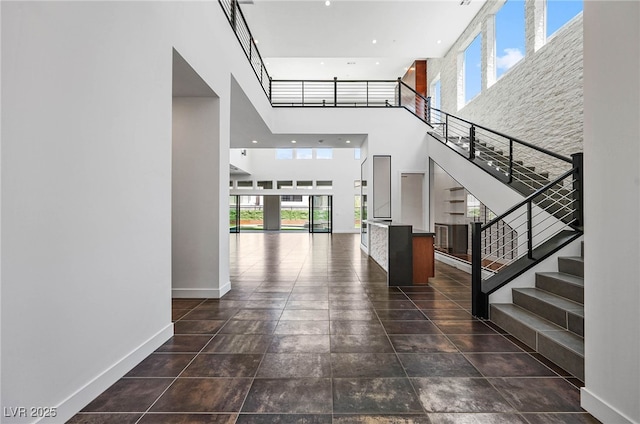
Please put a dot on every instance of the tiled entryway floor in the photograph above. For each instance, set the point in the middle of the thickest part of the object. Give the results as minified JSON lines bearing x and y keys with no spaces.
{"x":310,"y":333}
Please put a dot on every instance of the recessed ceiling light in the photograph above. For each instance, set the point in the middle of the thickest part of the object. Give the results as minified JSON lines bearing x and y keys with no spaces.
{"x":293,"y":141}
{"x":377,"y":63}
{"x":255,"y":141}
{"x":348,"y":141}
{"x":374,"y":41}
{"x":327,"y":3}
{"x":322,"y":63}
{"x":439,"y":41}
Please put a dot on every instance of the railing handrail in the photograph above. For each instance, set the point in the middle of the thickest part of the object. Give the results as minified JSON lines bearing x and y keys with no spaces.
{"x":246,"y":25}
{"x":331,"y":80}
{"x":528,"y":199}
{"x":414,"y":91}
{"x":524,"y":143}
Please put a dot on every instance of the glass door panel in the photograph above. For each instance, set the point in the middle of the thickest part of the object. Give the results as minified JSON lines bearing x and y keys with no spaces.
{"x":234,"y":214}
{"x":321,"y":214}
{"x":251,"y":213}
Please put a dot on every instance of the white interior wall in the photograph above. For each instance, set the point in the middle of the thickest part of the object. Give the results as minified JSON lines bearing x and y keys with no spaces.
{"x":612,"y":201}
{"x":86,"y":186}
{"x":412,"y":201}
{"x":195,"y":199}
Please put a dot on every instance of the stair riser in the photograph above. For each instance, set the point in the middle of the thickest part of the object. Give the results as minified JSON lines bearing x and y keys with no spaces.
{"x":543,"y":309}
{"x":576,"y":324}
{"x":561,"y":288}
{"x":570,"y":266}
{"x":514,"y":327}
{"x":561,"y":356}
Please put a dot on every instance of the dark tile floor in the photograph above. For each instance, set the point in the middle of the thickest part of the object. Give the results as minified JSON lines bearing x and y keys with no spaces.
{"x":310,"y":333}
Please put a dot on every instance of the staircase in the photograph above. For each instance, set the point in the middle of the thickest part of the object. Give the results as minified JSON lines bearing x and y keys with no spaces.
{"x":549,"y":318}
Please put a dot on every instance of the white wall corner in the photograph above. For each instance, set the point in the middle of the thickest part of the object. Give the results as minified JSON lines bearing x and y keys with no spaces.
{"x":602,"y":410}
{"x":200,"y":293}
{"x":83,"y":396}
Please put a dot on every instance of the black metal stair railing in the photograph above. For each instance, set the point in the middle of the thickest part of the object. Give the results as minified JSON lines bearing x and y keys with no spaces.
{"x":241,"y":29}
{"x":349,"y":93}
{"x":505,"y":157}
{"x":541,"y":224}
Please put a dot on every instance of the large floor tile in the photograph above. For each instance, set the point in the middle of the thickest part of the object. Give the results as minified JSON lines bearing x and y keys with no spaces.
{"x":483,"y":343}
{"x":238,"y":343}
{"x":161,"y":365}
{"x":129,"y":395}
{"x":479,"y":418}
{"x":360,"y":343}
{"x":303,"y":327}
{"x":381,"y":419}
{"x":159,"y":418}
{"x":291,"y":365}
{"x":284,"y":419}
{"x":356,"y":327}
{"x":304,"y":395}
{"x":422,"y":343}
{"x":454,"y":394}
{"x":542,"y":394}
{"x":249,"y":327}
{"x":204,"y":395}
{"x":101,"y":418}
{"x":508,"y":365}
{"x":374,"y":396}
{"x":223,"y":365}
{"x":366,"y":365}
{"x":437,"y":365}
{"x":410,"y":327}
{"x":300,"y":344}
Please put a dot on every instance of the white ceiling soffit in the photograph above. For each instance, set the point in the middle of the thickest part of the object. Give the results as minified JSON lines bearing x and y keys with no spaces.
{"x":247,"y":125}
{"x":302,"y":39}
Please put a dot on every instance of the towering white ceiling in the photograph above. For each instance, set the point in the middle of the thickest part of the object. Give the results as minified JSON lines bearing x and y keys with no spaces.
{"x":305,"y":39}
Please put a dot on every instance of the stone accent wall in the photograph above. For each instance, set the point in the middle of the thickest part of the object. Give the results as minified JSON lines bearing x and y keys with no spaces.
{"x":539,"y":100}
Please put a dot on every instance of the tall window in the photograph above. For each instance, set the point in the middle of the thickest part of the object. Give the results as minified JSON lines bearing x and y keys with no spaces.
{"x":473,"y":69}
{"x":559,"y":12}
{"x":509,"y":36}
{"x":435,"y":97}
{"x":284,"y":153}
{"x":356,"y":153}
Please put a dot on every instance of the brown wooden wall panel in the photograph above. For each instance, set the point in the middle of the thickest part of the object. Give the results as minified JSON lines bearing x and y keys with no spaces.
{"x":423,"y":259}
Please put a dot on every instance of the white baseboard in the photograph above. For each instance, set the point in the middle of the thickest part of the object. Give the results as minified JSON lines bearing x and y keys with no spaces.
{"x":193,"y":293}
{"x":81,"y":398}
{"x":602,"y":410}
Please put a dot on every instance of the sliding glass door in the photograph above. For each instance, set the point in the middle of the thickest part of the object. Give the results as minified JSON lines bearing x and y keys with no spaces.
{"x":321,"y":208}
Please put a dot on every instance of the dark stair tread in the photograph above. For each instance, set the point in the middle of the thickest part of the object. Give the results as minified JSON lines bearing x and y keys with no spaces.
{"x":546,"y":328}
{"x":567,"y":278}
{"x":574,"y":258}
{"x":550,"y":298}
{"x":529,"y":319}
